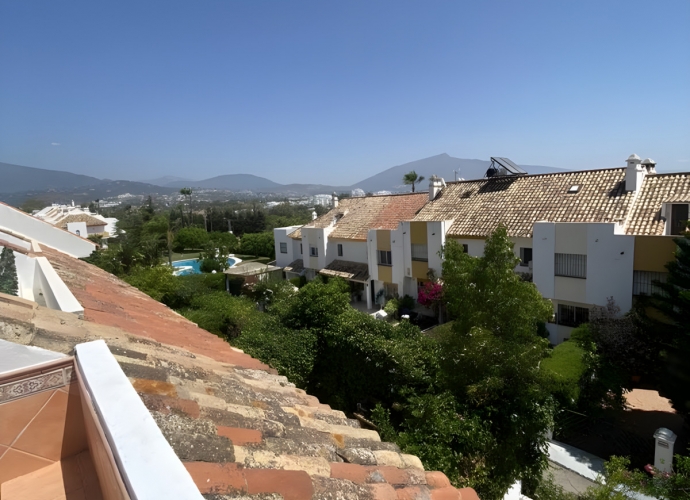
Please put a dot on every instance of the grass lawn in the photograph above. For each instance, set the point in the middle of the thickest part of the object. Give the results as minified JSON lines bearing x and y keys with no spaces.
{"x":183,"y":256}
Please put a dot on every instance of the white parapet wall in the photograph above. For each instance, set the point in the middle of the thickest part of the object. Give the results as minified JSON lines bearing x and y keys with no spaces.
{"x":55,"y":292}
{"x":16,"y":221}
{"x":148,"y":465}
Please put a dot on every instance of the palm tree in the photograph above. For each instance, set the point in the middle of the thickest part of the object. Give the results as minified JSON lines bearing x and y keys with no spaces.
{"x":411,"y":178}
{"x":188,"y":193}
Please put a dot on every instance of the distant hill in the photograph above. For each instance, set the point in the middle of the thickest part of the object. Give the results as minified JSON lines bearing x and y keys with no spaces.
{"x":166,"y":180}
{"x":441,"y":165}
{"x":16,"y":178}
{"x":231,"y":182}
{"x":21,"y":183}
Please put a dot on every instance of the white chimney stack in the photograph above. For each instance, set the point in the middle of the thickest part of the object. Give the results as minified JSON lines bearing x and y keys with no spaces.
{"x":335,"y":200}
{"x":634,"y":173}
{"x":435,"y":186}
{"x":649,"y":165}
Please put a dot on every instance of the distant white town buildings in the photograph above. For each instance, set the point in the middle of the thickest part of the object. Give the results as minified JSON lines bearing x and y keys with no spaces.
{"x":78,"y":221}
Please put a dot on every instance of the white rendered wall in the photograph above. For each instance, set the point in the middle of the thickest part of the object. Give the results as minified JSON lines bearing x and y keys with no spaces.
{"x":543,"y":255}
{"x":609,"y":266}
{"x":436,"y":238}
{"x":18,"y":242}
{"x":372,"y":245}
{"x":280,"y":235}
{"x":78,"y":228}
{"x":46,"y":234}
{"x":398,"y":259}
{"x":317,"y":237}
{"x":26,"y":269}
{"x":475,"y":247}
{"x":55,"y":292}
{"x":353,"y":251}
{"x":16,"y":356}
{"x":517,"y":244}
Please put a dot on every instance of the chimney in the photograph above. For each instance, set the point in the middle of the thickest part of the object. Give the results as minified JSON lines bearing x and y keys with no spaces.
{"x":435,"y":186}
{"x":634,"y":173}
{"x":335,"y":200}
{"x":649,"y":165}
{"x":664,"y":440}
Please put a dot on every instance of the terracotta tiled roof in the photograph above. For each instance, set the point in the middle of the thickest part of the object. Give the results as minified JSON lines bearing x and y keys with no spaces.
{"x":90,"y":221}
{"x":478,"y":206}
{"x":240,"y":429}
{"x":354,"y":271}
{"x":658,"y":189}
{"x":354,"y":217}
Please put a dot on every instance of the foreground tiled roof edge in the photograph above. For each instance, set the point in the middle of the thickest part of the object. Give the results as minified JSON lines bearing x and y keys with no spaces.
{"x":240,"y":429}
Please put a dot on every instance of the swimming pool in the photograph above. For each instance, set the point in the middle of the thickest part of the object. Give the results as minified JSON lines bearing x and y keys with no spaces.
{"x":192,"y":266}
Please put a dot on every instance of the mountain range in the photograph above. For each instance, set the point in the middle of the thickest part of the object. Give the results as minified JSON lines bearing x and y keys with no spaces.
{"x":21,"y":183}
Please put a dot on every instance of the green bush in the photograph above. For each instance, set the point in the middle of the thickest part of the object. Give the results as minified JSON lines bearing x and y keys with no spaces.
{"x":259,"y":244}
{"x":224,"y":239}
{"x":221,"y":313}
{"x":564,"y":370}
{"x":8,"y":272}
{"x":190,"y":237}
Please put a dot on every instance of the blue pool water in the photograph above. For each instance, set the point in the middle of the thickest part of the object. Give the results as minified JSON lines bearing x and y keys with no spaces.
{"x":191,"y":266}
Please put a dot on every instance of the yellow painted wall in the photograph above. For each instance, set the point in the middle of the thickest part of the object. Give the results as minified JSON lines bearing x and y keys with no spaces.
{"x":386,"y":274}
{"x":418,"y":233}
{"x":383,"y":240}
{"x":420,"y":269}
{"x":653,"y":252}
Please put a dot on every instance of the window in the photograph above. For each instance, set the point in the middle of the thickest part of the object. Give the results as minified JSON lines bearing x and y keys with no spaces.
{"x":385,"y":258}
{"x":283,"y":248}
{"x":420,"y":252}
{"x":572,"y":315}
{"x":340,"y":249}
{"x":525,"y":256}
{"x":300,"y":249}
{"x":571,"y":265}
{"x":679,"y":218}
{"x":78,"y":232}
{"x":644,"y":282}
{"x":313,"y":251}
{"x":465,"y":248}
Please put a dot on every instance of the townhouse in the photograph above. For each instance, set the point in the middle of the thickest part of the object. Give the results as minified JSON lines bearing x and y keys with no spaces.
{"x":582,"y":237}
{"x":340,"y":243}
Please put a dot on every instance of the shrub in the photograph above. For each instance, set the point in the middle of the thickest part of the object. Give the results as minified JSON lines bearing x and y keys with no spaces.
{"x":259,"y":244}
{"x":190,"y":237}
{"x":563,"y":371}
{"x":8,"y":272}
{"x":221,"y":314}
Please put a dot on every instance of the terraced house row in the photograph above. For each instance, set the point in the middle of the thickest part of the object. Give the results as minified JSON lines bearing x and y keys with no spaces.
{"x":582,"y":236}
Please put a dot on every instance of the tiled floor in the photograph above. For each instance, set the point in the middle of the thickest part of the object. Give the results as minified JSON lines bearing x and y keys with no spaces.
{"x":73,"y":478}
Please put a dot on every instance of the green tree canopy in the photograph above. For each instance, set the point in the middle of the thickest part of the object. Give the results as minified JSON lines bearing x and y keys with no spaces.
{"x":8,"y":272}
{"x":259,"y":244}
{"x":490,"y":361}
{"x":191,"y":238}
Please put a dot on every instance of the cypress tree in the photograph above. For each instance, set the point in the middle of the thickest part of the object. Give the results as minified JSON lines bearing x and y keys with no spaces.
{"x":8,"y":272}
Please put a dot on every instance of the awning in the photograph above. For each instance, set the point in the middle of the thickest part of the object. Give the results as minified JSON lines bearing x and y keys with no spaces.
{"x":296,"y":266}
{"x":351,"y":271}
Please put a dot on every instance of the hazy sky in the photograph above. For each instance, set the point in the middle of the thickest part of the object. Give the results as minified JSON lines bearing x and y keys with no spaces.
{"x":332,"y":92}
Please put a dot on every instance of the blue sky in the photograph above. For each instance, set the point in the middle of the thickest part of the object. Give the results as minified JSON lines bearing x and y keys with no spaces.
{"x":332,"y":92}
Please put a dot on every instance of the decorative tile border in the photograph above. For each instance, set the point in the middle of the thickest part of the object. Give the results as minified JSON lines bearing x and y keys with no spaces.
{"x":34,"y":384}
